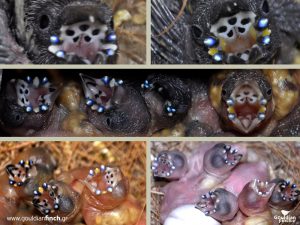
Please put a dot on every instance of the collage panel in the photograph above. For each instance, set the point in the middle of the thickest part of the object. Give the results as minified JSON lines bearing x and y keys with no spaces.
{"x":225,"y":31}
{"x":73,"y":32}
{"x":157,"y":103}
{"x":162,"y":132}
{"x":73,"y":182}
{"x":230,"y":183}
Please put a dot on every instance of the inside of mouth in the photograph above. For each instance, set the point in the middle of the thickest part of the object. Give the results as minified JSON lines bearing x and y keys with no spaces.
{"x":103,"y":180}
{"x":231,"y":156}
{"x":162,"y":166}
{"x":262,"y":188}
{"x":207,"y":203}
{"x":246,"y":113}
{"x":113,"y":176}
{"x":99,"y":92}
{"x":237,"y":36}
{"x":91,"y":41}
{"x":246,"y":104}
{"x":288,"y":191}
{"x":46,"y":199}
{"x":34,"y":94}
{"x":17,"y":174}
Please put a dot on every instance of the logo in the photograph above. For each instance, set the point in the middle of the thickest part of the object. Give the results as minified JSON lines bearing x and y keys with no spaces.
{"x":286,"y":218}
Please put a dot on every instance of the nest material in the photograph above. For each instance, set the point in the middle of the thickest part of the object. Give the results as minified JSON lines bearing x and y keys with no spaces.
{"x":130,"y":26}
{"x":282,"y":157}
{"x":129,"y":156}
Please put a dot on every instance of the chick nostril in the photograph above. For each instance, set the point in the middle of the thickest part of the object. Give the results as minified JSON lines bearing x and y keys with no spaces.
{"x":232,"y":21}
{"x":84,"y":27}
{"x":246,"y":92}
{"x":87,"y":39}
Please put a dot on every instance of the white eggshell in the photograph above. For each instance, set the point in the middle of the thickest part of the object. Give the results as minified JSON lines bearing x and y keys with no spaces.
{"x":189,"y":215}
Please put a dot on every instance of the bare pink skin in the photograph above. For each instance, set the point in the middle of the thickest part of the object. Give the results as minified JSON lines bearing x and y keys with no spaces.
{"x":74,"y":178}
{"x":237,"y":180}
{"x":195,"y":161}
{"x":195,"y":183}
{"x":239,"y":219}
{"x":8,"y":200}
{"x":190,"y":180}
{"x":92,"y":215}
{"x":180,"y":193}
{"x":7,"y":209}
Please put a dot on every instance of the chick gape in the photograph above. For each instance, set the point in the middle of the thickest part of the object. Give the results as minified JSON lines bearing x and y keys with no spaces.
{"x":99,"y":92}
{"x":19,"y":173}
{"x":163,"y":165}
{"x":110,"y":175}
{"x":246,"y":106}
{"x":237,"y":36}
{"x":34,"y":94}
{"x":47,"y":199}
{"x":287,"y":190}
{"x":89,"y":40}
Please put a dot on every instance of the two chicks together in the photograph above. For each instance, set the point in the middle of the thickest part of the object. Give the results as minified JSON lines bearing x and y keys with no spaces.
{"x":99,"y":194}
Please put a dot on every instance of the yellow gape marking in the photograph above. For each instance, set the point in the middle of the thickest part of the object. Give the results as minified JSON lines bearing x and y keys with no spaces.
{"x":266,"y":32}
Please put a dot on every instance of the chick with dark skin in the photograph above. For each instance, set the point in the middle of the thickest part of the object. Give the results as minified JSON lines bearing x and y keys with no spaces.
{"x":227,"y":102}
{"x":57,"y":32}
{"x":224,"y":32}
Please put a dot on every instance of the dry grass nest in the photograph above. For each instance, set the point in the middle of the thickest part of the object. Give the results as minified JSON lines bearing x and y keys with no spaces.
{"x":130,"y":26}
{"x":282,"y":157}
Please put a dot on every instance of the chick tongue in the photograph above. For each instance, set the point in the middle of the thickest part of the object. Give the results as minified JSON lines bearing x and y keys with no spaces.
{"x":246,"y":121}
{"x":83,"y":46}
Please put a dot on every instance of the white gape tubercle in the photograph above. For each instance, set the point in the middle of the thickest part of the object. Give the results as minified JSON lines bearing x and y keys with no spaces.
{"x":33,"y":94}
